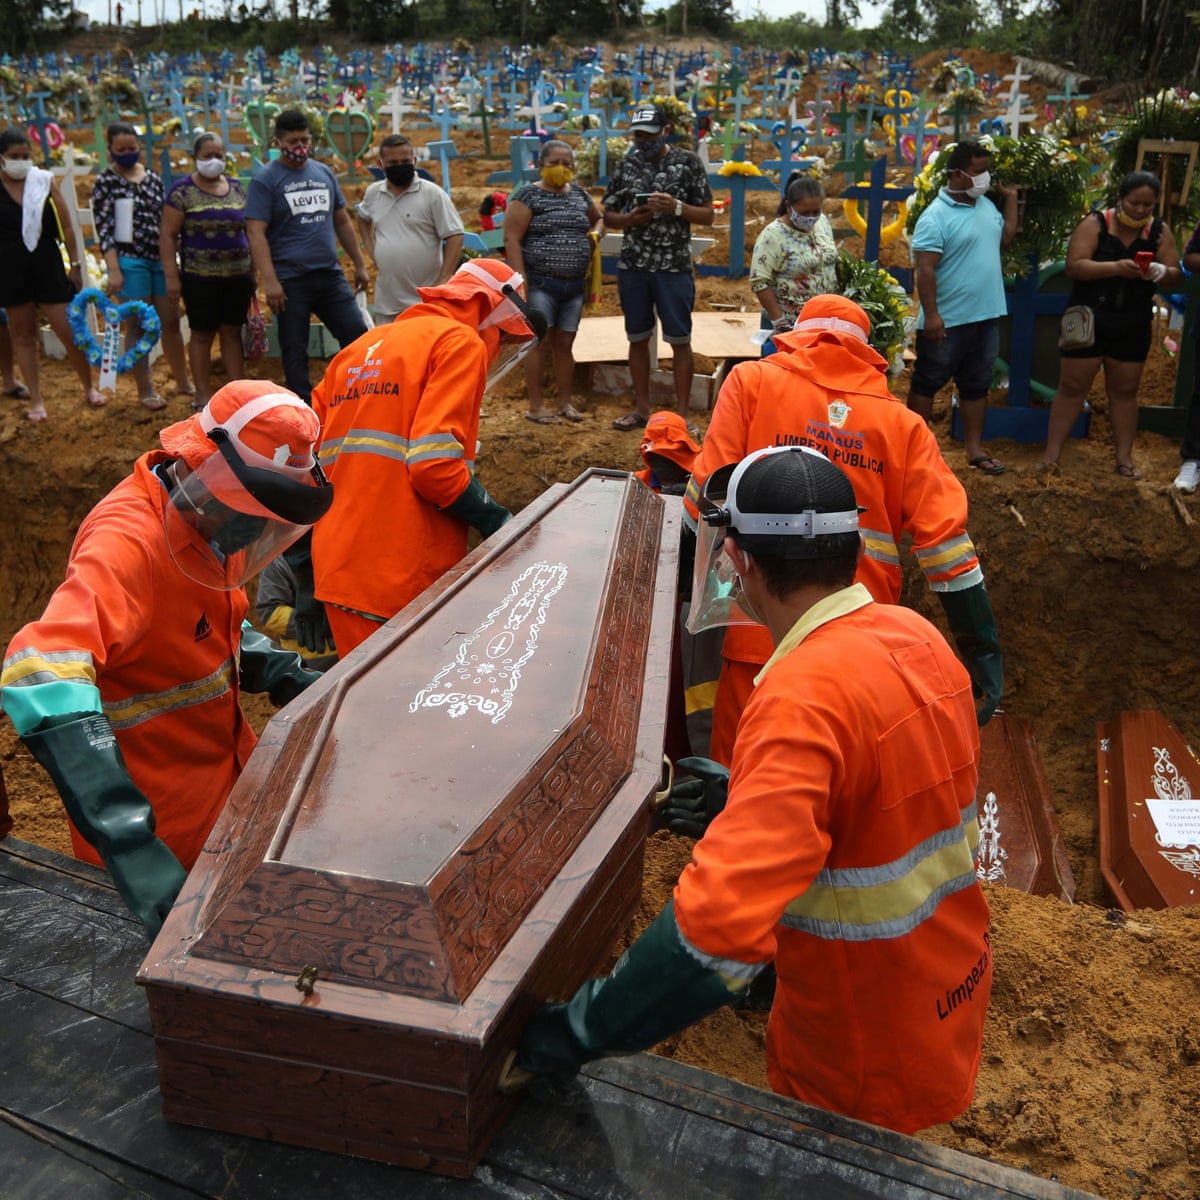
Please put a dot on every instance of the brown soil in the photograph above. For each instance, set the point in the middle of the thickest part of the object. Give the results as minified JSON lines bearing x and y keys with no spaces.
{"x":1091,"y":1067}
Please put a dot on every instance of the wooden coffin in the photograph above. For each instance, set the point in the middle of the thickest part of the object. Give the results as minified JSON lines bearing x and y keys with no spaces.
{"x":1020,"y":844}
{"x":446,"y":831}
{"x":1149,"y":815}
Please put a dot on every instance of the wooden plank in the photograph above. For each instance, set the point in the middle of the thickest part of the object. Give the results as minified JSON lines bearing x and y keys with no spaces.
{"x":714,"y":335}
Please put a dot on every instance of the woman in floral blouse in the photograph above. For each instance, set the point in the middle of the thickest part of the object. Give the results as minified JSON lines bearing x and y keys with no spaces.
{"x":127,"y":205}
{"x":794,"y":257}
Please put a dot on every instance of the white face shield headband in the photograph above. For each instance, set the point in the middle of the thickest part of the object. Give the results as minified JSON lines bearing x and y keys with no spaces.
{"x":716,"y":586}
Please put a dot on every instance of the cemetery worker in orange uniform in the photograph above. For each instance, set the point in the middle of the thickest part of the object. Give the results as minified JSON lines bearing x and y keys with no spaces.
{"x":295,"y":217}
{"x":960,"y":283}
{"x":656,"y":193}
{"x":126,"y":688}
{"x":846,"y":851}
{"x":399,"y":410}
{"x":827,"y":388}
{"x":668,"y":451}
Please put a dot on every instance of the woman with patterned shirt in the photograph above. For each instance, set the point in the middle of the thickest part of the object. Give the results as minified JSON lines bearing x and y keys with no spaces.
{"x":127,"y":204}
{"x":794,"y":257}
{"x":547,"y":237}
{"x":205,"y":221}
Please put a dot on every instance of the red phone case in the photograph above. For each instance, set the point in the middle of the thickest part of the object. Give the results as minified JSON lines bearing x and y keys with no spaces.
{"x":1143,"y":258}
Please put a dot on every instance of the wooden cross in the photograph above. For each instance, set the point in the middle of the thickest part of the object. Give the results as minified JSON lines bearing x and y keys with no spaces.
{"x":855,"y":163}
{"x":41,"y":122}
{"x":737,"y":186}
{"x":523,"y":153}
{"x":918,"y":129}
{"x":959,"y":112}
{"x":792,"y":139}
{"x":1017,"y":115}
{"x":877,"y":193}
{"x":443,"y":151}
{"x":5,"y":101}
{"x":601,"y":132}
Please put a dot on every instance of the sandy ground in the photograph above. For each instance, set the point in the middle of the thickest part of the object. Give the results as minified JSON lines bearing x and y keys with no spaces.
{"x":1091,"y":1067}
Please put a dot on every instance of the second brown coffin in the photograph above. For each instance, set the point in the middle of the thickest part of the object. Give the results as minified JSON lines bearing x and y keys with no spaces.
{"x":446,"y":831}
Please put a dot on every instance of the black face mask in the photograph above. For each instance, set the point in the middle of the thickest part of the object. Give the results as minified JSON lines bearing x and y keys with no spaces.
{"x":400,"y":175}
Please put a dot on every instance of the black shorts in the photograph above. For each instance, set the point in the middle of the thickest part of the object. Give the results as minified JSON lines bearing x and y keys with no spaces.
{"x":21,"y":286}
{"x":1123,"y":337}
{"x":211,"y":303}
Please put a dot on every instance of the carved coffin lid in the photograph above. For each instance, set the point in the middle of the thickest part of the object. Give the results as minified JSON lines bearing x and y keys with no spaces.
{"x":1149,"y":812}
{"x":399,"y":821}
{"x":1020,"y":842}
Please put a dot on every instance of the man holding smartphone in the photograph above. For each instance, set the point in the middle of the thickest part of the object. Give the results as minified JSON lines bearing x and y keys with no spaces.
{"x":657,"y":192}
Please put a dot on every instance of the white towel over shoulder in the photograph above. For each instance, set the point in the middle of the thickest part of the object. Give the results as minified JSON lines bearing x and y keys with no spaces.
{"x":37,"y":188}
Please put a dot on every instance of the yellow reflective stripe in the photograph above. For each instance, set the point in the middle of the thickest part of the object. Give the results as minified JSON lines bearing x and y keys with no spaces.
{"x":32,"y":666}
{"x":946,"y":554}
{"x":124,"y":714}
{"x":880,"y":545}
{"x":700,"y":697}
{"x":391,"y":445}
{"x":861,"y":904}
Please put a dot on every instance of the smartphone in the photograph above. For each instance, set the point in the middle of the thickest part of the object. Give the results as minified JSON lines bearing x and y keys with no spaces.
{"x":641,"y":200}
{"x":1143,"y":258}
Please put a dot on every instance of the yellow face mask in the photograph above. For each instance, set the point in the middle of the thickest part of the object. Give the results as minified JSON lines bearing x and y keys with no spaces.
{"x":558,"y":175}
{"x":1128,"y":221}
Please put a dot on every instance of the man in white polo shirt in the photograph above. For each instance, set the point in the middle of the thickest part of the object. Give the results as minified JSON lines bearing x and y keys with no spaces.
{"x":410,"y":227}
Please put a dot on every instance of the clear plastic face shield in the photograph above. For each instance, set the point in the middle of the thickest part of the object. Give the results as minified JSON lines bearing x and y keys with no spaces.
{"x":228,"y":518}
{"x":716,"y":587}
{"x":519,"y":326}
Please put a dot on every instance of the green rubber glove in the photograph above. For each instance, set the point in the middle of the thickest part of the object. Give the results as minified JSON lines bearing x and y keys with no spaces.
{"x":658,"y":988}
{"x":80,"y":752}
{"x":309,"y":618}
{"x":266,"y":667}
{"x":694,"y":802}
{"x":973,"y":624}
{"x":477,"y":508}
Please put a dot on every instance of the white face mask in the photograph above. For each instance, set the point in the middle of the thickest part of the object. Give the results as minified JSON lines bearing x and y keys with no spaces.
{"x":804,"y":222}
{"x":979,"y":185}
{"x":16,"y":168}
{"x":210,"y":168}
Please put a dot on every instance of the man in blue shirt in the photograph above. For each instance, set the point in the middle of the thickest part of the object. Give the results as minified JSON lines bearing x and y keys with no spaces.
{"x":956,"y":246}
{"x":295,"y":216}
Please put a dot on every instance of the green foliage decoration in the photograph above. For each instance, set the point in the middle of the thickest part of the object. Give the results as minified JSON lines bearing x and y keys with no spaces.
{"x":883,"y":300}
{"x":1052,"y":177}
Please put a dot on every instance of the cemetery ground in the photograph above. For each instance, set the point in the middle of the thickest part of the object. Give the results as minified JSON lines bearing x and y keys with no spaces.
{"x":1091,"y":1065}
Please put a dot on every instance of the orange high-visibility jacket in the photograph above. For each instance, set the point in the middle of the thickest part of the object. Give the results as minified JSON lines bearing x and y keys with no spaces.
{"x":832,"y":394}
{"x":399,"y":410}
{"x":162,"y":650}
{"x":845,"y":854}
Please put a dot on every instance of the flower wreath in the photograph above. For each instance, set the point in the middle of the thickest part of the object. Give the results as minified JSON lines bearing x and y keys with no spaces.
{"x":113,"y":314}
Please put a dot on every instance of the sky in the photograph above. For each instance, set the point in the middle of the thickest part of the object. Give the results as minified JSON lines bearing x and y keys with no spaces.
{"x":98,"y":10}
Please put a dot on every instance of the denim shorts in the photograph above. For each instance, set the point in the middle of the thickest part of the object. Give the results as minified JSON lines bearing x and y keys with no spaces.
{"x":967,"y":355}
{"x":144,"y":278}
{"x":672,"y":294}
{"x":560,"y":301}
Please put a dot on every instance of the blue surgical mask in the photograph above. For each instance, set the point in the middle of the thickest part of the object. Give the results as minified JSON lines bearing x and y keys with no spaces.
{"x":128,"y":160}
{"x":804,"y":223}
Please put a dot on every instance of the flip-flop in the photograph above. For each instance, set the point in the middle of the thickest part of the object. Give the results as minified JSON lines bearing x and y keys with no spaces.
{"x":96,"y":399}
{"x":1128,"y":471}
{"x":20,"y":392}
{"x":570,"y":413}
{"x":630,"y":421}
{"x":544,"y":418}
{"x":37,"y":415}
{"x":988,"y":465}
{"x":153,"y":402}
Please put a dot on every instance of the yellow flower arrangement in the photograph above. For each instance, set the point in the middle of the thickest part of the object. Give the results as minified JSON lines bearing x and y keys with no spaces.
{"x":733,"y":167}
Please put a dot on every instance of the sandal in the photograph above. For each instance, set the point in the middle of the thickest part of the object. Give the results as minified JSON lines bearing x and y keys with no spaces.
{"x":153,"y":402}
{"x":543,"y":418}
{"x":37,"y":415}
{"x":630,"y":421}
{"x":96,"y":399}
{"x":1128,"y":471}
{"x":20,"y":392}
{"x":570,"y":413}
{"x":988,"y":465}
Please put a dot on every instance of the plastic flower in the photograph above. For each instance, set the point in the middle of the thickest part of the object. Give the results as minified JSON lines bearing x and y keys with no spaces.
{"x":738,"y":168}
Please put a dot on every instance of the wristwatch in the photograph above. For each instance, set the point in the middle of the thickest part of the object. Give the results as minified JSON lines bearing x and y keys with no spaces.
{"x":679,"y":208}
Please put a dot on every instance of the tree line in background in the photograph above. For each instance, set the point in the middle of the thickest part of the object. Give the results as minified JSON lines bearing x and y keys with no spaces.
{"x":1155,"y":41}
